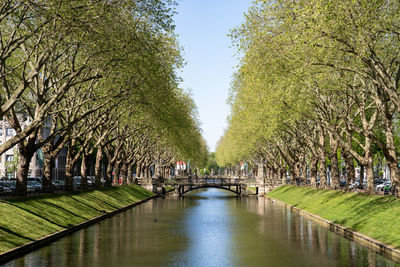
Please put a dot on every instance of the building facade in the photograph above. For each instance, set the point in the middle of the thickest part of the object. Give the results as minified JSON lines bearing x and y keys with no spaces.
{"x":9,"y":159}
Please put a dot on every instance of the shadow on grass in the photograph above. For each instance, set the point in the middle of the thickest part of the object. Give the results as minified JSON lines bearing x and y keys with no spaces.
{"x":359,"y":209}
{"x":341,"y":221}
{"x":37,"y":215}
{"x":118,"y":194}
{"x":139,"y":194}
{"x":311,"y":192}
{"x":63,"y":209}
{"x":15,"y":234}
{"x":79,"y":201}
{"x":372,"y":215}
{"x":111,"y":191}
{"x":95,"y":198}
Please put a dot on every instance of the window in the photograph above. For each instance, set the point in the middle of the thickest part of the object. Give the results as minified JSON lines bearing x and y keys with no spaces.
{"x":1,"y":131}
{"x":9,"y":158}
{"x":10,"y":132}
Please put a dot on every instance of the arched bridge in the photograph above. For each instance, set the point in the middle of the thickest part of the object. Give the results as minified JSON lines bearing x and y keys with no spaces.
{"x":237,"y":186}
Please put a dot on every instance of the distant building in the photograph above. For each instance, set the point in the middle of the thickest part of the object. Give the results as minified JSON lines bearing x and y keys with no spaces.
{"x":9,"y":159}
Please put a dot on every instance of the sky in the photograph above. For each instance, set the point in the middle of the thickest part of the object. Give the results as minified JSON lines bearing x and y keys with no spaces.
{"x":203,"y":26}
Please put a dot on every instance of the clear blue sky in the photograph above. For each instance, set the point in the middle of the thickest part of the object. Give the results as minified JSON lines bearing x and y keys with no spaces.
{"x":203,"y":26}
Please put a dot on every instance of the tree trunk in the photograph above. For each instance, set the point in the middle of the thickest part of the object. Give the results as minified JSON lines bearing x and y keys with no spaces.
{"x":129,"y":174}
{"x":117,"y":171}
{"x":370,"y":176}
{"x":322,"y":161}
{"x":138,"y":170}
{"x":84,"y":183}
{"x":334,"y":168}
{"x":391,"y":156}
{"x":296,"y":173}
{"x":362,"y":169}
{"x":350,"y":171}
{"x":303,"y":173}
{"x":50,"y":150}
{"x":144,"y":172}
{"x":26,"y":150}
{"x":97,"y":167}
{"x":22,"y":171}
{"x":169,"y":172}
{"x":109,"y":174}
{"x":335,"y":179}
{"x":124,"y":172}
{"x":369,"y":165}
{"x":313,"y":172}
{"x":282,"y":175}
{"x":22,"y":174}
{"x":322,"y":174}
{"x":48,"y":167}
{"x":275,"y":176}
{"x":69,"y":169}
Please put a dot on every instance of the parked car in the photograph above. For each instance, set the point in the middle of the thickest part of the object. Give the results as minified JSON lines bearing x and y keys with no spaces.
{"x":35,"y":185}
{"x":380,"y":187}
{"x":378,"y":181}
{"x":11,"y":184}
{"x":4,"y":187}
{"x":58,"y":184}
{"x":35,"y":179}
{"x":91,"y":180}
{"x":30,"y":188}
{"x":357,"y":184}
{"x":76,"y":181}
{"x":342,"y":183}
{"x":387,"y":189}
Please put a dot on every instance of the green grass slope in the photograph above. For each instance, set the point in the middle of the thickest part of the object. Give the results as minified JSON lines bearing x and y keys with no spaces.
{"x":375,"y":216}
{"x":168,"y":188}
{"x":27,"y":219}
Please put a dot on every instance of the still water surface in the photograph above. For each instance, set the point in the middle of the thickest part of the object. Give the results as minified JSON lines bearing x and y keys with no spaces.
{"x":206,"y":228}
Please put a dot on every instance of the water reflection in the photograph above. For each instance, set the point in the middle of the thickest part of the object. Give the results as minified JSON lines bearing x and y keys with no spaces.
{"x":206,"y":228}
{"x":312,"y":240}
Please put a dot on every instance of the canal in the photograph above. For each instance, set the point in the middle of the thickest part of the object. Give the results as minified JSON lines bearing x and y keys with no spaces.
{"x":206,"y":228}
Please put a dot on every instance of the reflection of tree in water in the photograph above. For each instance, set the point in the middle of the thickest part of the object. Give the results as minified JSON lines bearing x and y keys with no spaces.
{"x":97,"y":243}
{"x":259,"y":231}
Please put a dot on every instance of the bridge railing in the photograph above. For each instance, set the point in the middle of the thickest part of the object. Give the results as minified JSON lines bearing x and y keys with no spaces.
{"x":213,"y":180}
{"x":207,"y":180}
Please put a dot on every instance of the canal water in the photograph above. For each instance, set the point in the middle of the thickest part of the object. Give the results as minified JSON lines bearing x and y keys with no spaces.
{"x":206,"y":228}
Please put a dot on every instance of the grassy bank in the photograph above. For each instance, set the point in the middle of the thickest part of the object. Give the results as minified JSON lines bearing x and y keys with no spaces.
{"x":27,"y":219}
{"x":252,"y":188}
{"x":375,"y":216}
{"x":168,"y":188}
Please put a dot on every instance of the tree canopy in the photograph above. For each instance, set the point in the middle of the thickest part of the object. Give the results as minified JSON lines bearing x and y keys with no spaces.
{"x":317,"y":84}
{"x":97,"y":77}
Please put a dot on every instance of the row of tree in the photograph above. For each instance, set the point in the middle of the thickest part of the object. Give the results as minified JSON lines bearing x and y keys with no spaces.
{"x":97,"y":77}
{"x":317,"y":88}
